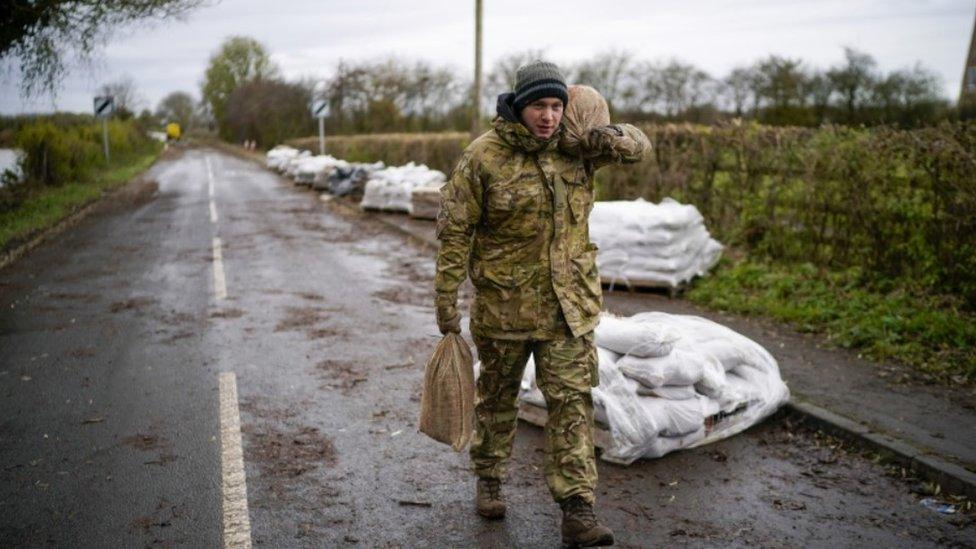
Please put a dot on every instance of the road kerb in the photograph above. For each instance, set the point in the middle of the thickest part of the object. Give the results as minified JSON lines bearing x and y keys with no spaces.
{"x":952,"y":478}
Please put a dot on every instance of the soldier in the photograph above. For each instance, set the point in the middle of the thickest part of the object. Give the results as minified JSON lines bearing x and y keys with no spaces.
{"x":514,"y":217}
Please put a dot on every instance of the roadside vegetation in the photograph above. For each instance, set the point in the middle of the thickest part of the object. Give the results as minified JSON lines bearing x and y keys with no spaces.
{"x":862,"y":234}
{"x":932,"y":332}
{"x":64,"y":169}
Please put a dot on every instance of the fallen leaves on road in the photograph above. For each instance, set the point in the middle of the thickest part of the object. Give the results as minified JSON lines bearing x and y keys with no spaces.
{"x":410,"y":503}
{"x":144,"y":442}
{"x":130,"y":304}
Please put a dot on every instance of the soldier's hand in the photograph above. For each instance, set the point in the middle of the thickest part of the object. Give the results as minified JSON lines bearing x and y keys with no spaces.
{"x":603,"y":138}
{"x":448,"y":319}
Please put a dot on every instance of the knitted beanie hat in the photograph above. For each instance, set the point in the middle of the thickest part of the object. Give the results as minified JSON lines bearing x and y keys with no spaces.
{"x":536,"y":80}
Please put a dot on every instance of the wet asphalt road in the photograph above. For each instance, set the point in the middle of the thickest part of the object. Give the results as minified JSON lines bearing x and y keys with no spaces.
{"x":112,"y":341}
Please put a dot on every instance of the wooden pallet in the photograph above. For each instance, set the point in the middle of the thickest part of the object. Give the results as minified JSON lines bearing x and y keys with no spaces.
{"x":601,"y":436}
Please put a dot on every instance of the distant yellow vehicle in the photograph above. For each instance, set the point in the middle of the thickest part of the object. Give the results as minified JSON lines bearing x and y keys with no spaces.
{"x":172,"y":131}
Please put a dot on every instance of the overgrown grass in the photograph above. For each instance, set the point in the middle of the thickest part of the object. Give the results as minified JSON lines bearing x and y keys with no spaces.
{"x":930,"y":332}
{"x":46,"y":206}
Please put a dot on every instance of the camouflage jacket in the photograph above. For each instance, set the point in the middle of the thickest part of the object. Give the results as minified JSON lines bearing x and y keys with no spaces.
{"x":514,"y":217}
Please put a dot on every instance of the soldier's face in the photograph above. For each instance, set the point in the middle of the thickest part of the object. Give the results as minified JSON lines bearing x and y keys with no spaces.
{"x":542,"y":116}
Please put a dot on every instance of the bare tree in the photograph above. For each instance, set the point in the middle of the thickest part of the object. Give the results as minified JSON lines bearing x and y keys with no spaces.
{"x":737,"y":87}
{"x":394,"y":95}
{"x":782,"y":81}
{"x":682,"y":86}
{"x":502,"y":76}
{"x":608,"y":73}
{"x":854,"y":79}
{"x":819,"y":91}
{"x":179,"y":107}
{"x":124,"y":94}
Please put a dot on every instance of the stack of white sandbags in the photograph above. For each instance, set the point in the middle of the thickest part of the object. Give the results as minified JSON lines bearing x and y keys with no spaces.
{"x":289,"y":167}
{"x":278,"y":156}
{"x":315,"y":169}
{"x":389,"y":189}
{"x":648,"y":244}
{"x":669,"y":382}
{"x":351,"y":179}
{"x":425,"y":201}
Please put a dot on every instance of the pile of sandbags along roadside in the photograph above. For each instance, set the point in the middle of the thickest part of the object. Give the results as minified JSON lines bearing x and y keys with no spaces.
{"x":289,"y":166}
{"x":425,"y":202}
{"x":277,"y":157}
{"x":350,"y":180}
{"x":669,"y":382}
{"x":647,"y":244}
{"x":390,"y":189}
{"x":314,"y":170}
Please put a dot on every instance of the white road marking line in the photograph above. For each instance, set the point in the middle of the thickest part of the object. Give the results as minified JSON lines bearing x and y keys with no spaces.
{"x":210,"y":191}
{"x":237,"y":522}
{"x":210,"y":178}
{"x":220,"y":283}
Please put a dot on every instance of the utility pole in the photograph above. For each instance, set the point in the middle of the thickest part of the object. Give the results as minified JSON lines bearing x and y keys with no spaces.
{"x":476,"y":107}
{"x":968,"y":87}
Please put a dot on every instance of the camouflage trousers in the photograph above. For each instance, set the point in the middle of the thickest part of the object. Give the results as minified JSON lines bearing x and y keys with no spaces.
{"x":565,"y":371}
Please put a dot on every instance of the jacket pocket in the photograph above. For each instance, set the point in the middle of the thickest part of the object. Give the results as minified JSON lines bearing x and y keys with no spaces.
{"x":512,"y":206}
{"x":580,"y":194}
{"x":505,"y":297}
{"x":586,"y":291}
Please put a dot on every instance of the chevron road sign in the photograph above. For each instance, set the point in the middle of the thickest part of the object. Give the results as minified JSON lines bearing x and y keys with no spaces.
{"x":319,"y":109}
{"x":104,"y":105}
{"x":319,"y":106}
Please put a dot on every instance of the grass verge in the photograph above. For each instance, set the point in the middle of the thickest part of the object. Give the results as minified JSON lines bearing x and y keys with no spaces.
{"x":930,"y":332}
{"x":47,"y":206}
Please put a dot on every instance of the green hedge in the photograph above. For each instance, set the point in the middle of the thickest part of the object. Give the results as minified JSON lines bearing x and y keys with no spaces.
{"x":897,"y":206}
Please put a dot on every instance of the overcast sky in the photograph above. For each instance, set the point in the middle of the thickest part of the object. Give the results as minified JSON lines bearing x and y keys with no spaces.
{"x":308,"y":37}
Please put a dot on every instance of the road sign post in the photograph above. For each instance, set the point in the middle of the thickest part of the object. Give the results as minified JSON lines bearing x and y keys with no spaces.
{"x":104,"y":105}
{"x":319,"y":108}
{"x":321,"y":135}
{"x":105,"y":139}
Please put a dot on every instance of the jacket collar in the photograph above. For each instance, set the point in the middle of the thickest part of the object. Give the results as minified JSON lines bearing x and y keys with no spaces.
{"x":511,"y":130}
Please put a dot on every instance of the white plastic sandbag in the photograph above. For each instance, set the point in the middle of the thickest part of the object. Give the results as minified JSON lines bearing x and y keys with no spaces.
{"x":710,"y":384}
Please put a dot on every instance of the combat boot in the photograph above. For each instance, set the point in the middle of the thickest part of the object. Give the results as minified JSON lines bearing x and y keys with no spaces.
{"x":489,"y":498}
{"x":580,"y":527}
